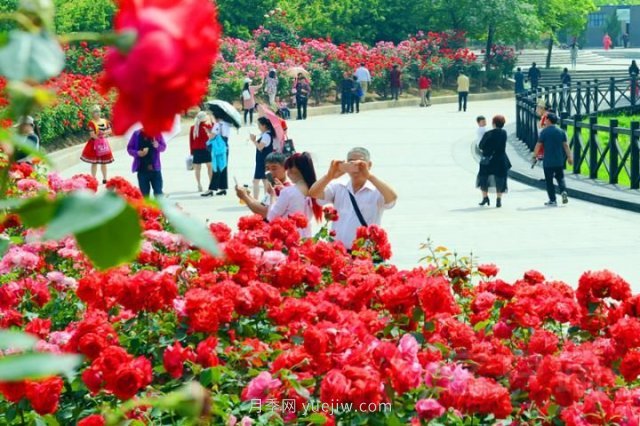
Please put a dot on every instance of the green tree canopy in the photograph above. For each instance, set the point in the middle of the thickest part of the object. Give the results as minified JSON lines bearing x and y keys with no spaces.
{"x":84,"y":15}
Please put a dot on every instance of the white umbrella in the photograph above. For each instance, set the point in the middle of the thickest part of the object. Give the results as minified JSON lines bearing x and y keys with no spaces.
{"x":227,"y":111}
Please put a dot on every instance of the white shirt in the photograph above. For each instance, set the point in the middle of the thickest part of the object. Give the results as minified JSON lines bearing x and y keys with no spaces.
{"x":363,"y":74}
{"x":291,"y":200}
{"x":225,"y":129}
{"x":265,"y":139}
{"x":369,"y":199}
{"x":480,"y":133}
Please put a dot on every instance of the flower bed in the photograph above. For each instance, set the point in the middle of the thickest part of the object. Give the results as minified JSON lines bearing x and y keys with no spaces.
{"x":278,"y":327}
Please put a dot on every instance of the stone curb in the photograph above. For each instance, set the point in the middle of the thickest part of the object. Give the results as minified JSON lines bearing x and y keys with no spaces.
{"x":578,"y":186}
{"x":69,"y":157}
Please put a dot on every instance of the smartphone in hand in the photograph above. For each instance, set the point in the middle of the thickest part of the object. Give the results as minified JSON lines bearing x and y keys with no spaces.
{"x":348,"y":167}
{"x":270,"y":179}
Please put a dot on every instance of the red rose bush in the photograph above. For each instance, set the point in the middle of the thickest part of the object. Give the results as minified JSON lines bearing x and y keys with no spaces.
{"x":288,"y":331}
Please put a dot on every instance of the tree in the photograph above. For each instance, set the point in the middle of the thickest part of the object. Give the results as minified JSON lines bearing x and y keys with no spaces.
{"x":84,"y":15}
{"x":555,"y":15}
{"x":240,"y":17}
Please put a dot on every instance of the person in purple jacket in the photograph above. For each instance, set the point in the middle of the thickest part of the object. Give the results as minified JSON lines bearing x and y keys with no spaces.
{"x":145,"y":151}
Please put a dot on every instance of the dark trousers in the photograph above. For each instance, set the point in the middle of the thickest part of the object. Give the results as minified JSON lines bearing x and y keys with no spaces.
{"x":549,"y":174}
{"x":462,"y":100}
{"x":395,"y":91}
{"x":302,"y":108}
{"x":148,"y":179}
{"x":355,"y":102}
{"x":250,"y":113}
{"x":345,"y":102}
{"x":220,"y":179}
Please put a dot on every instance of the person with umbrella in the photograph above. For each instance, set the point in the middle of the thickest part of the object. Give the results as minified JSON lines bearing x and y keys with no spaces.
{"x":226,"y":116}
{"x":248,"y":99}
{"x":302,"y":91}
{"x":264,"y":146}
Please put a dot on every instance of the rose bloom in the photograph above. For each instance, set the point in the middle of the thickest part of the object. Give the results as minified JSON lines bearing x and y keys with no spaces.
{"x":260,"y":387}
{"x":92,"y":420}
{"x":167,"y":69}
{"x":429,"y":409}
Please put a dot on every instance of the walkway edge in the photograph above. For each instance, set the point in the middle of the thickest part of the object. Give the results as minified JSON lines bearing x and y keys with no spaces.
{"x":69,"y":157}
{"x":578,"y":186}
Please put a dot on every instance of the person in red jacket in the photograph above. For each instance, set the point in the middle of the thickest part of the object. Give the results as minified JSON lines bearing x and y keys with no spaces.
{"x":198,"y":137}
{"x":424,"y":85}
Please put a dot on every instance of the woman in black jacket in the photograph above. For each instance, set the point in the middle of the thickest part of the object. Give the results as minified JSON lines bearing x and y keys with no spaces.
{"x":494,"y":163}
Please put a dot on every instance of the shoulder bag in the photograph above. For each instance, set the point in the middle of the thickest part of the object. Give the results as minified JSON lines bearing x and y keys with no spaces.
{"x":354,"y":203}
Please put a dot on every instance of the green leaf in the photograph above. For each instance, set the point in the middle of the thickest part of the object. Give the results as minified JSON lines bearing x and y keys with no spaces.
{"x":315,"y":418}
{"x":36,"y":365}
{"x":29,"y":148}
{"x":37,"y":212}
{"x":113,"y":243}
{"x":194,"y":231}
{"x":107,"y":228}
{"x":16,"y":340}
{"x":4,"y":245}
{"x":83,"y":211}
{"x":31,"y":56}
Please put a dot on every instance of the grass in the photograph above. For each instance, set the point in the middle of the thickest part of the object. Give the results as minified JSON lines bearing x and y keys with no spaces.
{"x":624,"y":121}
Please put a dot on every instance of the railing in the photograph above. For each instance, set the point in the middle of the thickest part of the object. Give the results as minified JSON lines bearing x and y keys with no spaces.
{"x":609,"y":153}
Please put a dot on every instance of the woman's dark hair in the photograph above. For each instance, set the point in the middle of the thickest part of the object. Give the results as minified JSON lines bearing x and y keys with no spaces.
{"x":245,"y":87}
{"x":265,"y":122}
{"x":499,"y":121}
{"x":304,"y":163}
{"x":272,"y":74}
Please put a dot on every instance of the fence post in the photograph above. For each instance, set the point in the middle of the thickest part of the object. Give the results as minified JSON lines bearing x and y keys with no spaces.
{"x":579,"y":98}
{"x":595,"y":95}
{"x":554,"y":98}
{"x":518,"y":133}
{"x":577,"y":144}
{"x":635,"y":156}
{"x":593,"y":148}
{"x":614,"y":156}
{"x":588,"y":106}
{"x":612,"y":93}
{"x":634,"y":90}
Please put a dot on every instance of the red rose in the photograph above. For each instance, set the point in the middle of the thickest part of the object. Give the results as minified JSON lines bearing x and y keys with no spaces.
{"x":39,"y":327}
{"x":13,"y":391}
{"x":543,"y":342}
{"x":167,"y":69}
{"x":630,"y":366}
{"x":92,"y":420}
{"x":206,"y":352}
{"x":488,"y":269}
{"x":92,"y":379}
{"x":174,"y":357}
{"x":128,"y":381}
{"x":44,"y":395}
{"x":335,"y":387}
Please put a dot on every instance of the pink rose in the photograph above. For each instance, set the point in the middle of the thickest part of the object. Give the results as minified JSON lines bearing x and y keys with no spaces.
{"x":260,"y":387}
{"x":429,"y":409}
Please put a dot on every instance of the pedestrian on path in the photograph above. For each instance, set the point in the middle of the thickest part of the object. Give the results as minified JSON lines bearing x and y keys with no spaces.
{"x":625,"y":39}
{"x":219,"y":180}
{"x":360,"y":200}
{"x":275,"y":172}
{"x":574,"y":48}
{"x":533,"y":75}
{"x":145,"y":150}
{"x":97,"y":149}
{"x":395,"y":80}
{"x":198,"y":137}
{"x":364,"y":78}
{"x":26,"y":129}
{"x":606,"y":41}
{"x":249,"y":99}
{"x":264,"y":147}
{"x":633,"y":69}
{"x":302,"y":91}
{"x":463,"y":91}
{"x":346,"y":88}
{"x":565,"y":79}
{"x":556,"y":151}
{"x":494,"y":162}
{"x":271,"y":87}
{"x":424,"y":85}
{"x":519,"y":81}
{"x":356,"y":95}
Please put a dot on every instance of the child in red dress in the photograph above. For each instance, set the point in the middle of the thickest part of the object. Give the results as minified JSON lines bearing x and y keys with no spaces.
{"x":97,"y":150}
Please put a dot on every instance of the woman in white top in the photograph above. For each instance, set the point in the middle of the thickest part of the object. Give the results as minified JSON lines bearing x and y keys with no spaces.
{"x":264,"y":147}
{"x":295,"y":198}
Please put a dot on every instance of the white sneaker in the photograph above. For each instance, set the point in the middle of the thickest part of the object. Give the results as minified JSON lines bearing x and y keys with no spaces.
{"x":565,"y":197}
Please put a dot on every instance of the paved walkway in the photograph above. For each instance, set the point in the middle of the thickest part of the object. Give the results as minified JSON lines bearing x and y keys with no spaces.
{"x":425,"y":153}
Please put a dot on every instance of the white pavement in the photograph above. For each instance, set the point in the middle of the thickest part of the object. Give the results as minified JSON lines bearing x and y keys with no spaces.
{"x":425,"y":153}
